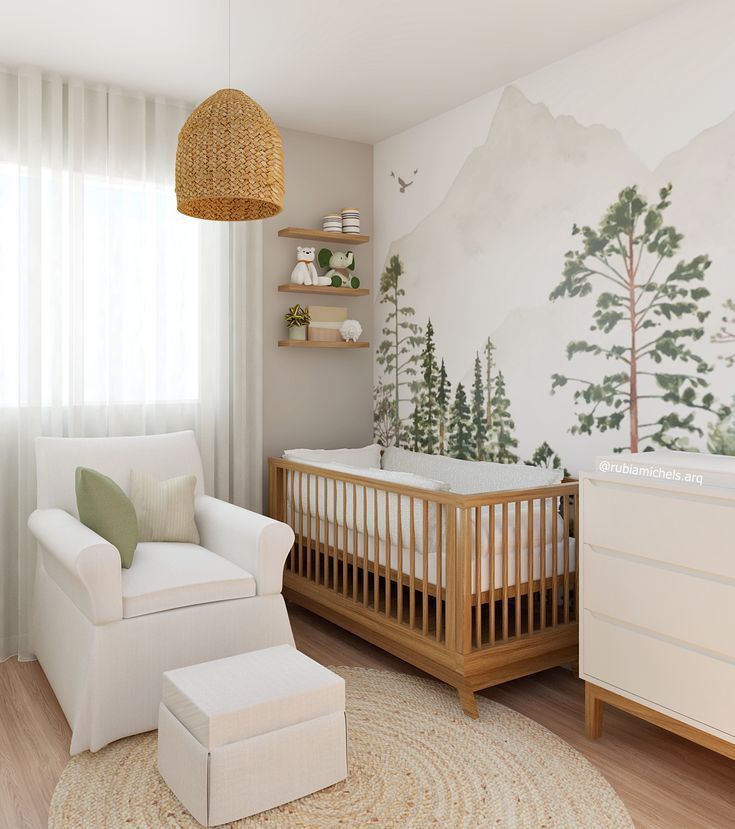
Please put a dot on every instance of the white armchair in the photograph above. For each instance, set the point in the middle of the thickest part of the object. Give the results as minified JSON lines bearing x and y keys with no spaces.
{"x":103,"y":635}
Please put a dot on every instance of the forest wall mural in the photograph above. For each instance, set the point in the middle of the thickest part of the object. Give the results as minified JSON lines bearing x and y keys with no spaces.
{"x":563,"y":299}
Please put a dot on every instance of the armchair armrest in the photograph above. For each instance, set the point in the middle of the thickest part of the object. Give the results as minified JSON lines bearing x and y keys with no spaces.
{"x":85,"y":566}
{"x":254,"y":542}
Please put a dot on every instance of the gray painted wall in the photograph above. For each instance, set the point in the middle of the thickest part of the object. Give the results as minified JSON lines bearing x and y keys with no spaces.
{"x":316,"y":398}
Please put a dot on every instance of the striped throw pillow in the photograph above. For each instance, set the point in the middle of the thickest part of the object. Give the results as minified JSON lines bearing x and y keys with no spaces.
{"x":165,"y":509}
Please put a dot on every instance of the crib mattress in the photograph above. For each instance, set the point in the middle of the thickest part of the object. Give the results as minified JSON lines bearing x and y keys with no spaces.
{"x":367,"y":547}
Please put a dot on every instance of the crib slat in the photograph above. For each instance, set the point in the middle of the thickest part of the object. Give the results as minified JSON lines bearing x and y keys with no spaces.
{"x":425,"y":572}
{"x":575,"y":513}
{"x":517,"y":553}
{"x":555,"y":562}
{"x":491,"y":591}
{"x":308,"y":526}
{"x":439,"y":513}
{"x":344,"y":539}
{"x":529,"y":542}
{"x":301,"y":562}
{"x":387,"y":555}
{"x":354,"y":542}
{"x":565,"y":501}
{"x":505,"y":571}
{"x":542,"y":561}
{"x":294,"y":523}
{"x":376,"y":554}
{"x":327,"y":525}
{"x":412,"y":568}
{"x":478,"y":577}
{"x":287,"y":495}
{"x":399,"y":553}
{"x":318,"y":533}
{"x":365,"y":574}
{"x":335,"y":539}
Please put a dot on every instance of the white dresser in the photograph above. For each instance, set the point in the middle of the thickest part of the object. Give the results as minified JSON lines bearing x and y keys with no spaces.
{"x":657,"y":593}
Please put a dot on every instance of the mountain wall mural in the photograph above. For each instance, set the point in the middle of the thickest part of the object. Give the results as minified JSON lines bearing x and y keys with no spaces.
{"x":564,"y":301}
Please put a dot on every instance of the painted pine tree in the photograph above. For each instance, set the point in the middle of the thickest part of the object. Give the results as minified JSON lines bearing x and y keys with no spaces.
{"x":489,"y":365}
{"x":397,"y":352}
{"x":443,"y":398}
{"x":544,"y":456}
{"x":726,"y":334}
{"x":721,"y":438}
{"x":428,"y":394}
{"x":415,"y":438}
{"x":384,"y":421}
{"x":461,"y":444}
{"x":648,"y":318}
{"x":479,"y":412}
{"x":502,"y":441}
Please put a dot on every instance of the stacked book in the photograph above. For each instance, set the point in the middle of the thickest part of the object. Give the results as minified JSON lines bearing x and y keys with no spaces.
{"x":332,"y":223}
{"x":326,"y":320}
{"x":350,"y":220}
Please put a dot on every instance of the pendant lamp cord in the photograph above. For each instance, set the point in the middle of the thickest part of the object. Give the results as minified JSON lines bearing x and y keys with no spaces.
{"x":229,"y":42}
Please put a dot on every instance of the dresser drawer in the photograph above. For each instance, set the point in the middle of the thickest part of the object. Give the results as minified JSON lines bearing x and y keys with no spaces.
{"x":689,"y":530}
{"x":697,"y":610}
{"x":685,"y":681}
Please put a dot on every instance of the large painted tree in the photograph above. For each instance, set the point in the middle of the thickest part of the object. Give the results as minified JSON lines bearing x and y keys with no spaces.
{"x":726,"y":334}
{"x":461,"y":443}
{"x":648,"y":318}
{"x":479,"y":412}
{"x":397,"y":352}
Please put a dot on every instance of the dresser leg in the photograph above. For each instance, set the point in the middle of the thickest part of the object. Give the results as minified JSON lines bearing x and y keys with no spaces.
{"x":592,"y":712}
{"x":468,"y":702}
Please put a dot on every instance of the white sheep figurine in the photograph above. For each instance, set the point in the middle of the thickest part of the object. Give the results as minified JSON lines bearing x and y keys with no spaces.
{"x":350,"y":330}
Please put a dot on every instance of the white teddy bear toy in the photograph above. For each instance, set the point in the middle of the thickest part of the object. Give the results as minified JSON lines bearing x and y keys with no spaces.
{"x":305,"y":271}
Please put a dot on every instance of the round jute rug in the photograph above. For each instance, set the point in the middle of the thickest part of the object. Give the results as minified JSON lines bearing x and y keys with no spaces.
{"x":415,"y":760}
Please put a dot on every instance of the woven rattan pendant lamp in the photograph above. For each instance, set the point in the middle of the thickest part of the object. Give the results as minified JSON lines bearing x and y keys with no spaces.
{"x":229,"y":160}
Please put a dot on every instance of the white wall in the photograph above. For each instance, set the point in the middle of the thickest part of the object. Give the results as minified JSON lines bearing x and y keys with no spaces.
{"x":316,"y":398}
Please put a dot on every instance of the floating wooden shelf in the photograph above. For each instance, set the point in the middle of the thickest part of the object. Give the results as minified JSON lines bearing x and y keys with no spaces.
{"x":320,"y":344}
{"x":315,"y":235}
{"x":293,"y":288}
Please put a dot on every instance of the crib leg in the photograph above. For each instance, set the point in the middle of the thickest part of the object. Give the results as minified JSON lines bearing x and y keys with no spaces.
{"x":468,"y":702}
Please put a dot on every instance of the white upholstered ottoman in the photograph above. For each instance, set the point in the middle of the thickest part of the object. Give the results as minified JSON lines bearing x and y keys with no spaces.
{"x":247,"y":733}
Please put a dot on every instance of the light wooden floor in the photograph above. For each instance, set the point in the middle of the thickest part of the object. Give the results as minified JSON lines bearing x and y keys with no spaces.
{"x":664,"y":781}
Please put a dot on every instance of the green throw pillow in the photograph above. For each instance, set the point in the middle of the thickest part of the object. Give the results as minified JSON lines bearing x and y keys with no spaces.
{"x":106,"y":509}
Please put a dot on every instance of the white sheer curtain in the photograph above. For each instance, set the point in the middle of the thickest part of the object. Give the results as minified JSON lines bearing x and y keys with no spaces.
{"x":118,"y":315}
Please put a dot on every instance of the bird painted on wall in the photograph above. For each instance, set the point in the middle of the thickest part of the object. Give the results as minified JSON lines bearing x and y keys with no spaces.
{"x":404,"y":184}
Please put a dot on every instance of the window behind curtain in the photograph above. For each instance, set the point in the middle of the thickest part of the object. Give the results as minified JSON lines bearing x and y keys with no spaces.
{"x":99,"y":275}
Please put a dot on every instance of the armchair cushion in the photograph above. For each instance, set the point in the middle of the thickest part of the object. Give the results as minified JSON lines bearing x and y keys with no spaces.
{"x":107,"y":510}
{"x":166,"y":575}
{"x":165,"y":508}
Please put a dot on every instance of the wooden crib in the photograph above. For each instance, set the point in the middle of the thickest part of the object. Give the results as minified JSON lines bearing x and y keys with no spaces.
{"x":473,"y":589}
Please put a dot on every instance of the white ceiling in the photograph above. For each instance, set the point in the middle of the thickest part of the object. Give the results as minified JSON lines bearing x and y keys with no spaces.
{"x":358,"y":69}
